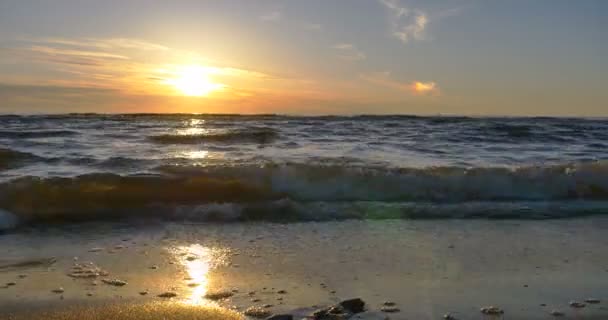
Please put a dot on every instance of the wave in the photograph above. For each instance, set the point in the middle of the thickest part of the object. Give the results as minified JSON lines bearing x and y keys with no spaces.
{"x":257,"y":135}
{"x":309,"y":192}
{"x":25,"y":134}
{"x":11,"y":159}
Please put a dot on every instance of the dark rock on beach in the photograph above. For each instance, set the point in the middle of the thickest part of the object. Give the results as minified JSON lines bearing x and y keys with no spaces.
{"x":355,"y":305}
{"x":280,"y":317}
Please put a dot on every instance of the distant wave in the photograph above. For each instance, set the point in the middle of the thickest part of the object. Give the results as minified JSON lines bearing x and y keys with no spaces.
{"x":257,"y":135}
{"x":315,"y":192}
{"x":25,"y":134}
{"x":11,"y":159}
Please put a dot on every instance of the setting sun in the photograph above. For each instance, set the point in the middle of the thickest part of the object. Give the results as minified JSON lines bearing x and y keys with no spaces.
{"x":194,"y":81}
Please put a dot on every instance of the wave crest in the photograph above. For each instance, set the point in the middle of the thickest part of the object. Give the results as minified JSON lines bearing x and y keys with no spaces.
{"x":314,"y":192}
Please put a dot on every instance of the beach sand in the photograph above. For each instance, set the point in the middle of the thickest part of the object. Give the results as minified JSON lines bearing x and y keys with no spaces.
{"x":427,"y":268}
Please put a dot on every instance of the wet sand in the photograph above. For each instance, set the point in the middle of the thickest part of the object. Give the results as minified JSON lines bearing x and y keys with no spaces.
{"x":427,"y":268}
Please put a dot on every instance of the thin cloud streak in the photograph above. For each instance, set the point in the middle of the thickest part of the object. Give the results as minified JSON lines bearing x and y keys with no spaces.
{"x":349,"y":52}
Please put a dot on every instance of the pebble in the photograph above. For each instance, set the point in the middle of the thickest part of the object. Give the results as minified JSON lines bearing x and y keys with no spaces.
{"x":193,"y":284}
{"x":577,"y":304}
{"x":191,"y":258}
{"x":89,"y":294}
{"x":22,"y":276}
{"x":389,"y":303}
{"x":355,"y":305}
{"x":280,"y":317}
{"x":592,"y":300}
{"x":9,"y":284}
{"x":218,"y":295}
{"x":255,"y":300}
{"x":143,"y":293}
{"x":58,"y":290}
{"x":448,"y":316}
{"x":168,"y":294}
{"x":557,"y":313}
{"x":266,"y":306}
{"x":257,"y":312}
{"x":282,"y":292}
{"x":154,"y":267}
{"x":491,"y":310}
{"x":114,"y":282}
{"x":389,"y":309}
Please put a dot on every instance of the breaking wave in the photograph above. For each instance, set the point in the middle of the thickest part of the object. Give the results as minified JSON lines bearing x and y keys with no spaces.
{"x":295,"y":192}
{"x":261,"y":136}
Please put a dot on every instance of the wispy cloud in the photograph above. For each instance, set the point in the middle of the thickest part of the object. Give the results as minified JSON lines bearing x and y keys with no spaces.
{"x":406,"y":24}
{"x":385,"y":79}
{"x":348,"y":51}
{"x":271,"y":16}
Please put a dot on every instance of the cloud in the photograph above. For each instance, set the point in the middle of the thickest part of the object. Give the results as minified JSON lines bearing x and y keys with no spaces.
{"x":385,"y":79}
{"x":424,"y":87}
{"x":406,"y":24}
{"x":349,"y":52}
{"x":271,"y":16}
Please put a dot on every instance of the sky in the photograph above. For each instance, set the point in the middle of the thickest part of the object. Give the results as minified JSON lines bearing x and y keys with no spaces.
{"x":457,"y":57}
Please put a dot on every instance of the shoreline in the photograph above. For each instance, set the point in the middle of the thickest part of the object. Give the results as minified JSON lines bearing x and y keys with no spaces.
{"x":427,"y":268}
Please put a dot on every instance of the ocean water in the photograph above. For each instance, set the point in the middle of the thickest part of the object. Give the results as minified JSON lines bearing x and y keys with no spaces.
{"x":82,"y":167}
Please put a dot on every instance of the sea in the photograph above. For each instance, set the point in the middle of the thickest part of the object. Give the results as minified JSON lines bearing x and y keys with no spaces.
{"x":229,"y":168}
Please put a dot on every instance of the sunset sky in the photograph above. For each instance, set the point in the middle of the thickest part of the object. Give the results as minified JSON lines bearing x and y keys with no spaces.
{"x":305,"y":57}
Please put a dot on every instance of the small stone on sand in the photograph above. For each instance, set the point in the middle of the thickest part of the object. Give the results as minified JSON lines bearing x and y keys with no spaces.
{"x":282,"y":292}
{"x":557,"y":313}
{"x":193,"y":284}
{"x":168,"y":294}
{"x":389,"y":309}
{"x":448,"y":316}
{"x":257,"y":312}
{"x":266,"y":306}
{"x":143,"y":293}
{"x":89,"y":294}
{"x":114,"y":282}
{"x":389,"y":303}
{"x":154,"y":267}
{"x":218,"y":295}
{"x":592,"y":300}
{"x":58,"y":290}
{"x":191,"y":258}
{"x":491,"y":310}
{"x":22,"y":276}
{"x":577,"y":304}
{"x":9,"y":284}
{"x":355,"y":305}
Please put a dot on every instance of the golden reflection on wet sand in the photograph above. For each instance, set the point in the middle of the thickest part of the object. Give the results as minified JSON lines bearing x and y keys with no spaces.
{"x":197,"y":262}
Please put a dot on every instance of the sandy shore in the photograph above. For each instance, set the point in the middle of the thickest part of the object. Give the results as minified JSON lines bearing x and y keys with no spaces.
{"x":427,"y":268}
